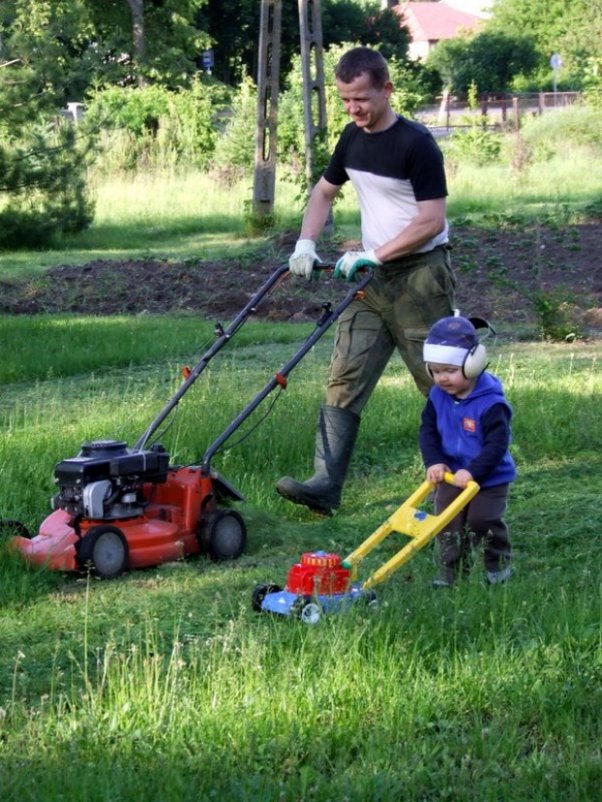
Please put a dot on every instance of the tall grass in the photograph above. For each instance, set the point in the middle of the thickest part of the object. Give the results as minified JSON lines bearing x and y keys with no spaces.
{"x":165,"y":685}
{"x":193,"y":216}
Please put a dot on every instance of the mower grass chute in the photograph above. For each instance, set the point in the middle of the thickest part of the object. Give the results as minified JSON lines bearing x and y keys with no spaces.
{"x":120,"y":508}
{"x":322,"y":583}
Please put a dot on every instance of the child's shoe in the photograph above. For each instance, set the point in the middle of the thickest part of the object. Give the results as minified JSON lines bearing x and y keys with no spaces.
{"x":445,"y":578}
{"x":501,"y":576}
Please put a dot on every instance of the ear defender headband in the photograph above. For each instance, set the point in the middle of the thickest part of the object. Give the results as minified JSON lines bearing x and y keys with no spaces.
{"x":454,"y":341}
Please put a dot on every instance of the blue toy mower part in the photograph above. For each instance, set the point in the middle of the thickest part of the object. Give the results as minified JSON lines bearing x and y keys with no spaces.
{"x":322,"y":583}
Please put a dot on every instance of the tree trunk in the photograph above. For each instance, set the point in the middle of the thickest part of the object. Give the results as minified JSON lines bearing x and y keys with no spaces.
{"x":139,"y":45}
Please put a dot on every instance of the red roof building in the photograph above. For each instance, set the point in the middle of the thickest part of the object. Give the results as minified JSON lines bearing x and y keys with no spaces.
{"x":429,"y":23}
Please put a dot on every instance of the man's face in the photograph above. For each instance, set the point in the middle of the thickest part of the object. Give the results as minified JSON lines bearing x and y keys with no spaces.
{"x":367,"y":106}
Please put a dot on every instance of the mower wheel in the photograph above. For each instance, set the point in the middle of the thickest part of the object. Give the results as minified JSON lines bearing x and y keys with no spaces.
{"x":259,"y":594}
{"x":370,"y":599}
{"x":224,"y":535}
{"x":104,"y":550}
{"x":14,"y":528}
{"x":307,"y":610}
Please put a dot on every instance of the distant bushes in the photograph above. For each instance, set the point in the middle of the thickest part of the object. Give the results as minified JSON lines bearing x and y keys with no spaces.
{"x":153,"y":127}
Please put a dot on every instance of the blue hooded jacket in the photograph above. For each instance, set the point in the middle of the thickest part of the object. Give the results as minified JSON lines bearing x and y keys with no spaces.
{"x":462,"y":434}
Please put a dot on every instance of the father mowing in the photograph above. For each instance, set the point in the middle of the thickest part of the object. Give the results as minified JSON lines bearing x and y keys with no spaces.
{"x":397,"y":171}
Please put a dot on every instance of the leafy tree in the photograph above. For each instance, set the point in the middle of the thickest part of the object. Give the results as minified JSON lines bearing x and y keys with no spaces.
{"x":42,"y":159}
{"x":574,"y":30}
{"x":234,"y":29}
{"x":490,"y":59}
{"x":149,"y":40}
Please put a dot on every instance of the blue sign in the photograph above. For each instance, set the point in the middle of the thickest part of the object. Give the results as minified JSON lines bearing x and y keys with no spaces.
{"x":207,"y":59}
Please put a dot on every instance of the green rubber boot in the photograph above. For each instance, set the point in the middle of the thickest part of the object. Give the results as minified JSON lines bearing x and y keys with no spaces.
{"x":335,"y":438}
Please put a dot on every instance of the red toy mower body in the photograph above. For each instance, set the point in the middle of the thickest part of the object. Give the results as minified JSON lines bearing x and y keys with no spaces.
{"x":318,"y":572}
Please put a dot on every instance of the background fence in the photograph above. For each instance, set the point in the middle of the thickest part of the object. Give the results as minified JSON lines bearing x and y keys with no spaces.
{"x":495,"y":111}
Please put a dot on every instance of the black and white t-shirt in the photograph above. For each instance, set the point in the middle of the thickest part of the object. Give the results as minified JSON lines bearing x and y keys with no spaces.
{"x":390,"y":170}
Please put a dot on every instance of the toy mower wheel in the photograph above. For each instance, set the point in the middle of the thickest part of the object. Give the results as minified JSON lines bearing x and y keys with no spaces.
{"x":224,"y":535}
{"x":259,"y":594}
{"x":307,"y":610}
{"x":103,"y":550}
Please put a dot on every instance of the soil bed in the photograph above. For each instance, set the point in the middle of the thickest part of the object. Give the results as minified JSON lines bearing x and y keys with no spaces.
{"x":500,"y":274}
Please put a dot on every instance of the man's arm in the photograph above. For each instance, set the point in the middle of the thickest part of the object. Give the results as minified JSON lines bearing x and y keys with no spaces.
{"x":318,"y":208}
{"x":429,"y":222}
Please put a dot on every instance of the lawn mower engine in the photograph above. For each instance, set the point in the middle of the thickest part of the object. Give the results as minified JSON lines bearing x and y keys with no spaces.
{"x":105,"y":481}
{"x":118,"y":508}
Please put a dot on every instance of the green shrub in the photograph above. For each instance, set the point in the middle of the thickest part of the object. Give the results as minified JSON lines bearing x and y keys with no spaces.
{"x":580,"y":125}
{"x":155,"y":127}
{"x":559,"y":316}
{"x":476,"y":143}
{"x":45,"y":184}
{"x":235,"y":146}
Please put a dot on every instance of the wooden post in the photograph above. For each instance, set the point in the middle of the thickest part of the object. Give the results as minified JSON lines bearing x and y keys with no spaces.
{"x":314,"y":98}
{"x":268,"y":88}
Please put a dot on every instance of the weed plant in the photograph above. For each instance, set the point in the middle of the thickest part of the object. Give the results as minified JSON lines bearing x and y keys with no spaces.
{"x":165,"y":685}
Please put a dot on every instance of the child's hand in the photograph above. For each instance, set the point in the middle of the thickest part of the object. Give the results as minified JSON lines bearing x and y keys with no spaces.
{"x":462,"y":478}
{"x":434,"y":473}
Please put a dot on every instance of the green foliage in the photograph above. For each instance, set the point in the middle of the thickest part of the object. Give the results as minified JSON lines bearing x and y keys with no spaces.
{"x":475,"y":143}
{"x":43,"y":161}
{"x":491,"y":60}
{"x":168,"y":52}
{"x":156,"y":126}
{"x":573,"y":30}
{"x":44,"y":185}
{"x":234,"y":156}
{"x":577,"y":126}
{"x":592,"y":82}
{"x":559,"y":316}
{"x":368,"y":23}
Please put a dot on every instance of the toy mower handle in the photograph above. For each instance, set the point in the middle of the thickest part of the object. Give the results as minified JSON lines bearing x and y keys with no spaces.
{"x":449,"y":479}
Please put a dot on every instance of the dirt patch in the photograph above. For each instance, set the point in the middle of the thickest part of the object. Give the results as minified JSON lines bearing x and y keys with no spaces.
{"x":500,"y":272}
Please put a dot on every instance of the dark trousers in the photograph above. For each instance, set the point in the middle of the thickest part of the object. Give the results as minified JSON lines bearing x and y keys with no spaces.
{"x":480,"y":524}
{"x":398,"y":307}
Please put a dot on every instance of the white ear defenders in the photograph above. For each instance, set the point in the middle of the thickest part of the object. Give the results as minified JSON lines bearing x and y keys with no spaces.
{"x":476,"y":359}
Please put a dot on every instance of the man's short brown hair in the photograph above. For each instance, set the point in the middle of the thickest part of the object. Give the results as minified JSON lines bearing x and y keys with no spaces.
{"x":360,"y":60}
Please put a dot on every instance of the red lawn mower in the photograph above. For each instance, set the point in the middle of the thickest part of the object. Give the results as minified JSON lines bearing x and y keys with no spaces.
{"x":119,"y":508}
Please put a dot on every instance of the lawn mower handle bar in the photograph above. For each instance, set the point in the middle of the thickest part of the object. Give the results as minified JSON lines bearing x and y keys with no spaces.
{"x":224,"y":336}
{"x":327,"y":319}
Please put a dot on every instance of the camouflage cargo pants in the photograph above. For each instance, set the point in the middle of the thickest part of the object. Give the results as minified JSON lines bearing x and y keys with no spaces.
{"x":401,"y":303}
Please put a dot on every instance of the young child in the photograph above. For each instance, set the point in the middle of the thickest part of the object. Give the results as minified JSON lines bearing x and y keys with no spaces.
{"x":465,"y":430}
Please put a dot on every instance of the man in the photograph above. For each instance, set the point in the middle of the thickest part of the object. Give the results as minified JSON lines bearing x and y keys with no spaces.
{"x":397,"y":171}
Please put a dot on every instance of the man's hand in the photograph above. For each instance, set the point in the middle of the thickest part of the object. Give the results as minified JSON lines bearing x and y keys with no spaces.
{"x":302,"y":262}
{"x":350,"y":262}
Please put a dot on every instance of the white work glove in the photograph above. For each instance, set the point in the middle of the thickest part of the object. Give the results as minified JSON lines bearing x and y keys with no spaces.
{"x":350,"y":262}
{"x":302,"y":262}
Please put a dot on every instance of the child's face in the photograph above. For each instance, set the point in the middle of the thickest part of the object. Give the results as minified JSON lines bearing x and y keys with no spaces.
{"x":451,"y":379}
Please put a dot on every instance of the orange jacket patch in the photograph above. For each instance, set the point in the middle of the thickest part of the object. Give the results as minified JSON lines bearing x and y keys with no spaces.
{"x":469,"y":424}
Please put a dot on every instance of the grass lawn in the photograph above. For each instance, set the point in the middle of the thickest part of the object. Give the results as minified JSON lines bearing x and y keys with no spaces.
{"x":164,"y":684}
